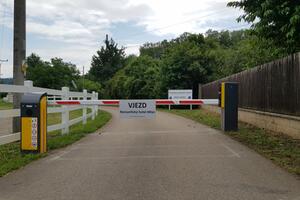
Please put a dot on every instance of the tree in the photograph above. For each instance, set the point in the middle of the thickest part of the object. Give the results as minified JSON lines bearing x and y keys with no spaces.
{"x":188,"y":60}
{"x":89,"y":85}
{"x":108,"y":60}
{"x":154,"y":50}
{"x":187,"y":63}
{"x":140,"y":79}
{"x":238,"y":51}
{"x":54,"y":74}
{"x":278,"y":20}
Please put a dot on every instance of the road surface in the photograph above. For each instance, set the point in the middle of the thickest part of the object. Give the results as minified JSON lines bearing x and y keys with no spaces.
{"x":165,"y":158}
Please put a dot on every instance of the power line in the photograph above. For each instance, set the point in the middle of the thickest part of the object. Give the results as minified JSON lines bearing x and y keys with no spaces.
{"x":178,"y":23}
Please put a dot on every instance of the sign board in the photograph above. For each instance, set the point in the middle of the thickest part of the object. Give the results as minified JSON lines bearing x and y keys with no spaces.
{"x":137,"y":108}
{"x":180,"y":94}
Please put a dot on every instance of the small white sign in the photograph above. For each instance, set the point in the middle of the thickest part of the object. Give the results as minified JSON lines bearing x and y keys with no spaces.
{"x":137,"y":108}
{"x":34,"y":132}
{"x":180,"y":94}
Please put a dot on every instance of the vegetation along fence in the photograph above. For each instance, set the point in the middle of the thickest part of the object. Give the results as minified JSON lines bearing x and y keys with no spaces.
{"x":272,"y":87}
{"x":64,"y":111}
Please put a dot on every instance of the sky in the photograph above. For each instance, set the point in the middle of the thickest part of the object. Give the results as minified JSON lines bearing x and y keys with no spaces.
{"x":75,"y":30}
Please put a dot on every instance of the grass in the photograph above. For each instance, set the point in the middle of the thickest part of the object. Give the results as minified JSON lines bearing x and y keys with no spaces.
{"x":281,"y":149}
{"x":5,"y":105}
{"x":12,"y":159}
{"x":55,"y":118}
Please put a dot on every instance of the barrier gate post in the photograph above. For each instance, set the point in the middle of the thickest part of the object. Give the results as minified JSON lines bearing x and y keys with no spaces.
{"x":229,"y":106}
{"x":34,"y":123}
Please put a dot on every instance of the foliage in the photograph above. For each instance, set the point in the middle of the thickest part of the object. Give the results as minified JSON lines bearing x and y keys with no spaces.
{"x":138,"y":80}
{"x":191,"y":59}
{"x":5,"y":105}
{"x":180,"y":63}
{"x":154,"y":50}
{"x":278,"y":20}
{"x":55,"y":74}
{"x":89,"y":85}
{"x":239,"y":50}
{"x":187,"y":63}
{"x":108,"y":60}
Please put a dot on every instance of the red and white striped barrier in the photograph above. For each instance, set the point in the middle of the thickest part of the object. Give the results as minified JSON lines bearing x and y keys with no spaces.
{"x":116,"y":102}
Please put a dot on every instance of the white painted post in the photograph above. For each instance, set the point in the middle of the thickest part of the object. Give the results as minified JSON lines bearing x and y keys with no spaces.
{"x":84,"y":110}
{"x":65,"y":113}
{"x":97,"y":107}
{"x":93,"y":108}
{"x":28,"y":83}
{"x":191,"y":107}
{"x":169,"y":107}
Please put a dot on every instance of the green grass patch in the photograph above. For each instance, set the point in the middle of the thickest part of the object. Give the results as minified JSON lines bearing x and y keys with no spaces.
{"x":12,"y":159}
{"x":5,"y":105}
{"x":281,"y":149}
{"x":55,"y":118}
{"x":56,"y":140}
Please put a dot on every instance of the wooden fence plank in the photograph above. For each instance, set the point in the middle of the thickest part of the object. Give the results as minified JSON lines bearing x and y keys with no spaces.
{"x":272,"y":87}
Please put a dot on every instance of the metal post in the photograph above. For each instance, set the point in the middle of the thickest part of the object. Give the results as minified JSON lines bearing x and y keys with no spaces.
{"x":19,"y":54}
{"x":229,"y":106}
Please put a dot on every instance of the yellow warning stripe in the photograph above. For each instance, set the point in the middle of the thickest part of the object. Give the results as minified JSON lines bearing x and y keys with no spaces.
{"x":223,"y":95}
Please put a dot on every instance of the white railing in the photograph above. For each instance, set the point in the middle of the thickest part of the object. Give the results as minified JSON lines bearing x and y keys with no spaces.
{"x":64,"y":94}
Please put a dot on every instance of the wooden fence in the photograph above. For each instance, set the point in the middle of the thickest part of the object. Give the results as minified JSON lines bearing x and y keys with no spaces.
{"x":63,"y":94}
{"x":272,"y":87}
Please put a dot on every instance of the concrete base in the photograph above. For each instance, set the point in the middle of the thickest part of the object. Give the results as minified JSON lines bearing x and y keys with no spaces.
{"x":289,"y":125}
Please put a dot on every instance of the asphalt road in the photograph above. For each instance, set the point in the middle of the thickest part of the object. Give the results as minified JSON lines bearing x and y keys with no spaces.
{"x":165,"y":158}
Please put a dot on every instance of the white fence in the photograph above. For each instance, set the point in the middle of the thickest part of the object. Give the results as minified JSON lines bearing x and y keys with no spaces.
{"x":64,"y":94}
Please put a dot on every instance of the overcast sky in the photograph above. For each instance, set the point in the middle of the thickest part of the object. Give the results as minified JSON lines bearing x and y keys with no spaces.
{"x":74,"y":30}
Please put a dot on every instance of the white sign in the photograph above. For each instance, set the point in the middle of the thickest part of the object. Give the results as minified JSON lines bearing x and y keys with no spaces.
{"x":34,"y":132}
{"x":180,"y":94}
{"x":137,"y":108}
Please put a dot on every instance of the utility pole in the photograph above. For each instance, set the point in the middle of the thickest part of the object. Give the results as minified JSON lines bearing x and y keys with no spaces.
{"x":19,"y":54}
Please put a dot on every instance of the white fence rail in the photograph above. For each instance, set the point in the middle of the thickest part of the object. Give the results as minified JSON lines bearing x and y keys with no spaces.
{"x":63,"y":94}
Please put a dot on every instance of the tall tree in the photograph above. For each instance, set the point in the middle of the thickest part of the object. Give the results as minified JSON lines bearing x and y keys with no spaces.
{"x":140,"y":79}
{"x":107,"y":61}
{"x":54,"y":74}
{"x":187,"y":63}
{"x":278,"y":20}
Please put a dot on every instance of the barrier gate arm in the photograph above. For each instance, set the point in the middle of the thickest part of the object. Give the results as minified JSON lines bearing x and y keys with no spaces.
{"x":116,"y":102}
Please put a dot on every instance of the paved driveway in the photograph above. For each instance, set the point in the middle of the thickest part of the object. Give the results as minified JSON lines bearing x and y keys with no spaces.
{"x":165,"y":158}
